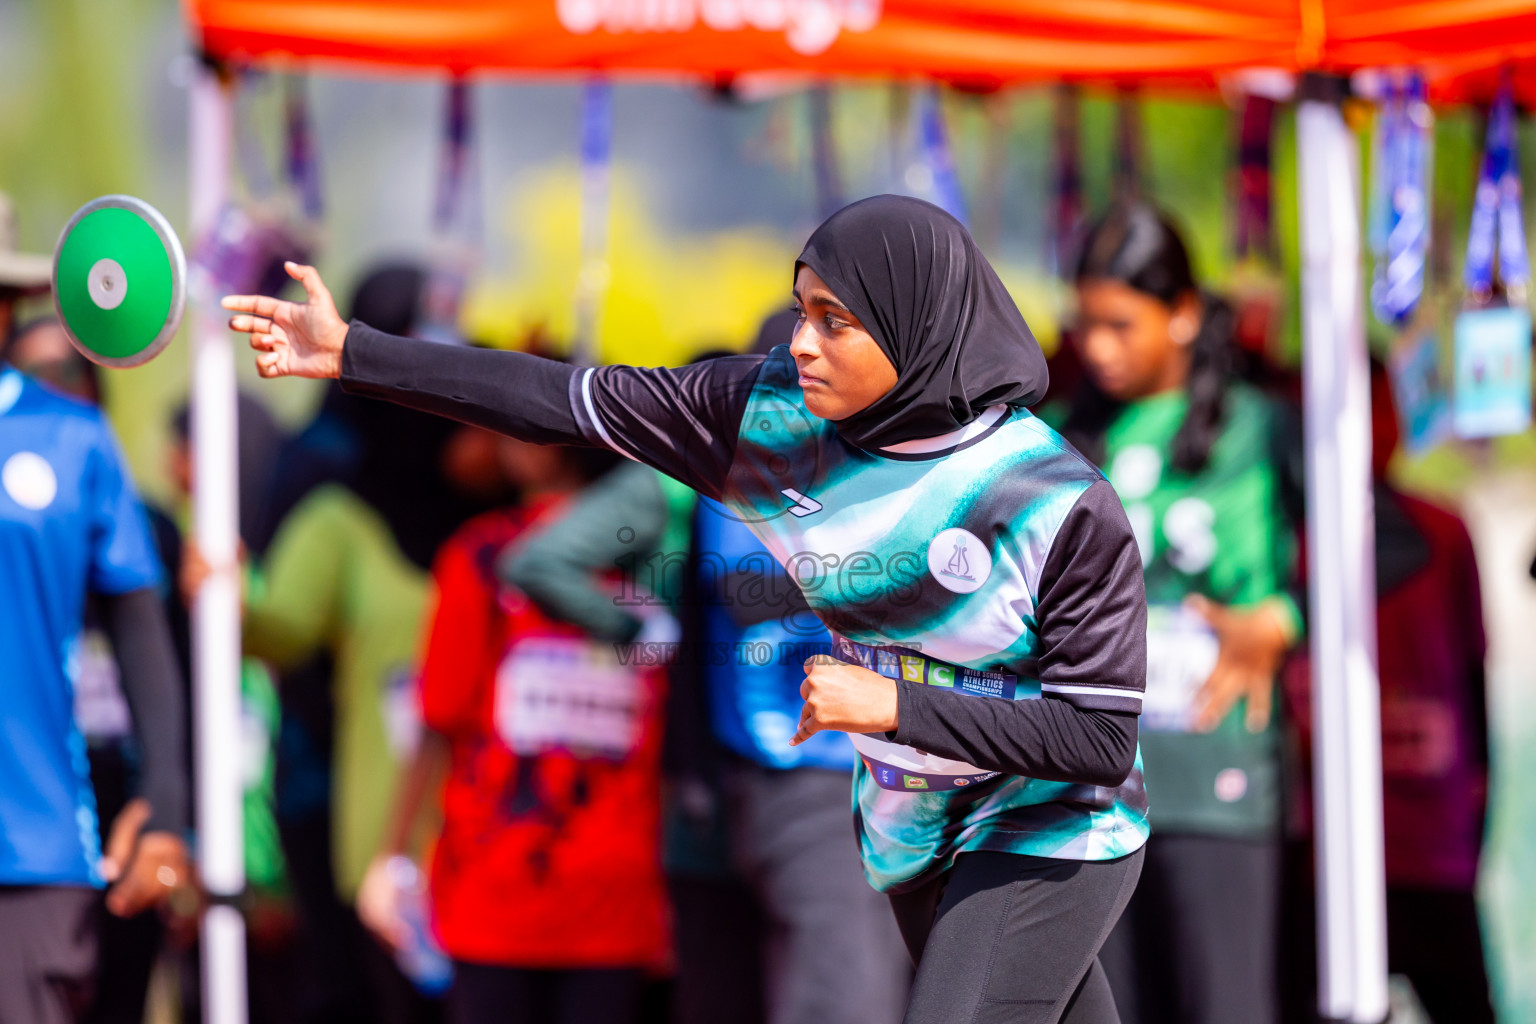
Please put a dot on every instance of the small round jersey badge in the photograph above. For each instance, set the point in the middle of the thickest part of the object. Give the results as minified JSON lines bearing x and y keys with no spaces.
{"x":959,"y":561}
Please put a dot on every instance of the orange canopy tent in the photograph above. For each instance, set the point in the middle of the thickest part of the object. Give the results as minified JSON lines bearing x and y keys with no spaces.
{"x":1459,"y":44}
{"x":964,"y":40}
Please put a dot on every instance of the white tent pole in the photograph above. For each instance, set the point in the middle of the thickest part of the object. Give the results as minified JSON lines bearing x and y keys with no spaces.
{"x":216,"y":613}
{"x":1346,"y":714}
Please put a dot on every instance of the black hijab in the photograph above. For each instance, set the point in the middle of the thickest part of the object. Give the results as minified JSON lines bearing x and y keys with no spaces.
{"x":911,"y":273}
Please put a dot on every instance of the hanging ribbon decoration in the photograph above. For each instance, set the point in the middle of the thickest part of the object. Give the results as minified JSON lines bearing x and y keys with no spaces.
{"x":302,"y":165}
{"x":1128,"y":150}
{"x":455,"y":220}
{"x":596,"y":194}
{"x":245,"y":247}
{"x":994,"y":172}
{"x":1497,"y":224}
{"x":1069,"y":178}
{"x":255,"y":167}
{"x":1254,"y":225}
{"x":898,"y":131}
{"x":829,"y":185}
{"x":1400,"y":200}
{"x":940,"y":158}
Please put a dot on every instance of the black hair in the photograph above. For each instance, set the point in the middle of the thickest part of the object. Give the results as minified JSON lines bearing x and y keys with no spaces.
{"x":1137,"y":246}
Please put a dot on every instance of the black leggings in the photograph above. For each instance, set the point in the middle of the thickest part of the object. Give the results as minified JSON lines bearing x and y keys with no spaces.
{"x":1007,"y":939}
{"x":486,"y":994}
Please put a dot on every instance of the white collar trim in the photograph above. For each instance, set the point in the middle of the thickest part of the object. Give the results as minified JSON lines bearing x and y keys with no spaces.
{"x":924,"y":445}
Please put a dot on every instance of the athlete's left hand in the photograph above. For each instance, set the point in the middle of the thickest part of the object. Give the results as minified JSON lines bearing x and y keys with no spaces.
{"x":1252,"y":643}
{"x":844,"y":697}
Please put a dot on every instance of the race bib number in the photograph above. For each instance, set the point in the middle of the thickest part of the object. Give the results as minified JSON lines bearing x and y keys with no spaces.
{"x":906,"y":769}
{"x":571,"y":695}
{"x":1181,"y":653}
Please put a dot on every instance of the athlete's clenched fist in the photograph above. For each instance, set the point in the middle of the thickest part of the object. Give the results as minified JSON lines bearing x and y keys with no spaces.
{"x":844,"y":697}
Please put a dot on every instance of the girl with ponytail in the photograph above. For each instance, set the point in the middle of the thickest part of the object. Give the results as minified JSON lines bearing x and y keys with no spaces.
{"x":1187,"y":449}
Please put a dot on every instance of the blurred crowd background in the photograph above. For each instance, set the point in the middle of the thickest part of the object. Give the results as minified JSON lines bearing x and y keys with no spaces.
{"x":348,"y":509}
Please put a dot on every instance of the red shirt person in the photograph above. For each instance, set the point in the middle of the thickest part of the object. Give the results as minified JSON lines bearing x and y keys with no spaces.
{"x":545,"y":881}
{"x":549,"y":853}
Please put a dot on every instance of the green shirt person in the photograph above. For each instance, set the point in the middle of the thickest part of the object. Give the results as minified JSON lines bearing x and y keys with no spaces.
{"x":335,"y":580}
{"x":1190,"y":454}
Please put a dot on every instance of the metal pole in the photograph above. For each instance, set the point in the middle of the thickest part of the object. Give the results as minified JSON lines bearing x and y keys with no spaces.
{"x":1351,"y":890}
{"x":216,"y":612}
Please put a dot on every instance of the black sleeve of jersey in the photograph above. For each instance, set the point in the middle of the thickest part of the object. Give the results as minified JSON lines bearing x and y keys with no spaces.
{"x":1091,"y":611}
{"x":146,"y":659}
{"x":1092,"y":619}
{"x":508,"y":392}
{"x":1040,"y":739}
{"x":682,"y":421}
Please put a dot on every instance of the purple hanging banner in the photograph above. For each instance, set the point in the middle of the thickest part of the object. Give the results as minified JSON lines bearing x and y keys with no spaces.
{"x":829,"y":185}
{"x":455,"y":221}
{"x":1254,"y":234}
{"x":302,"y":164}
{"x":1400,"y":199}
{"x":596,"y":200}
{"x":940,"y":158}
{"x":1128,"y":150}
{"x":1497,"y":224}
{"x":1068,"y":198}
{"x":453,"y":162}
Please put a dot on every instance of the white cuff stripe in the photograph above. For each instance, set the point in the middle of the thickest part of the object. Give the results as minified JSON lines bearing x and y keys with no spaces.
{"x":1092,"y":691}
{"x":602,"y":431}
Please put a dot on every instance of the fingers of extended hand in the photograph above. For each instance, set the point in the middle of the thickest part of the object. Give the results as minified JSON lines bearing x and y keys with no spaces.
{"x":261,"y":305}
{"x":309,"y":277}
{"x":270,"y":364}
{"x":251,"y":324}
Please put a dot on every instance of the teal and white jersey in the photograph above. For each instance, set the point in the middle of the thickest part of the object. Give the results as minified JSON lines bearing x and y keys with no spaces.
{"x":991,"y":572}
{"x":926,"y":560}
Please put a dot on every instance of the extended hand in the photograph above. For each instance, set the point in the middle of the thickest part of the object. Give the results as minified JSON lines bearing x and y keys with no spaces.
{"x":844,"y":697}
{"x":1252,"y":644}
{"x":144,"y":869}
{"x":292,"y":339}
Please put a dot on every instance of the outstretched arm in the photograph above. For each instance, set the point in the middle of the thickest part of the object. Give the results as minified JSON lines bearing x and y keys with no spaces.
{"x":683,"y":422}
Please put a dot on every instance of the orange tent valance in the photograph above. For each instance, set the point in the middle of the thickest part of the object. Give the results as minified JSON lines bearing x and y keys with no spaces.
{"x":999,"y":40}
{"x":1456,"y":41}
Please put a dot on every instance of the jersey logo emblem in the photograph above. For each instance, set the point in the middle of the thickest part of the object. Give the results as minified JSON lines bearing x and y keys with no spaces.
{"x":30,"y":481}
{"x":803,"y":506}
{"x":959,"y":561}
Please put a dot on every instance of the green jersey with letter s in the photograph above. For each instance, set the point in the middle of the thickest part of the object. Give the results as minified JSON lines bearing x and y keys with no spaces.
{"x":1220,"y":533}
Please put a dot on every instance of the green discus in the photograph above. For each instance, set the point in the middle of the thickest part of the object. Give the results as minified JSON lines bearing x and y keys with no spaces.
{"x":119,"y":281}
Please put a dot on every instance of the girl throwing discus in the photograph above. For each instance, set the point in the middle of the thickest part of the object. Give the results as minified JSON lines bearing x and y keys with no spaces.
{"x":980,"y":579}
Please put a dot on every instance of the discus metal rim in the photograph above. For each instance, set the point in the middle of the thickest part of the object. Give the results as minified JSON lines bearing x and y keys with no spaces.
{"x":178,"y":259}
